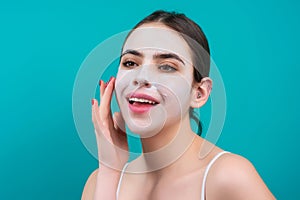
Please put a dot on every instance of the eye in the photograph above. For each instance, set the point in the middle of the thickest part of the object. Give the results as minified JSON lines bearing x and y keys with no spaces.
{"x":129,"y":64}
{"x":167,"y":68}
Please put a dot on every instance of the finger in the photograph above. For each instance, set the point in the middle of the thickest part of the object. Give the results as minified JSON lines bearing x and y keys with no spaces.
{"x":119,"y":122}
{"x":109,"y":87}
{"x":106,"y":100}
{"x":102,"y":88}
{"x":95,"y":113}
{"x":101,"y":127}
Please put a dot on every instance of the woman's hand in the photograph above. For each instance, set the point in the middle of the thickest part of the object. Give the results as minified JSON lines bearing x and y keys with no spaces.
{"x":112,"y":147}
{"x":110,"y":130}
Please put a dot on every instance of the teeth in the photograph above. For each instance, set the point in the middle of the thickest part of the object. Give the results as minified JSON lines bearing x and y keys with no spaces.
{"x":142,"y":100}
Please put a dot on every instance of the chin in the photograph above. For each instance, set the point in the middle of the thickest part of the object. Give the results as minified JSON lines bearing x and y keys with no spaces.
{"x":145,"y":127}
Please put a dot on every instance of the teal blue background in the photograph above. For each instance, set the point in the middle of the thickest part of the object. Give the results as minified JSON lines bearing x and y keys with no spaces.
{"x":43,"y":43}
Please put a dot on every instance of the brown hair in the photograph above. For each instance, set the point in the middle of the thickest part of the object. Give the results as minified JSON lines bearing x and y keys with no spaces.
{"x":195,"y":38}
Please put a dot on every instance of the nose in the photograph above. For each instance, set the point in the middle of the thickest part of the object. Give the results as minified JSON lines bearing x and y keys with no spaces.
{"x":141,"y":82}
{"x":142,"y":77}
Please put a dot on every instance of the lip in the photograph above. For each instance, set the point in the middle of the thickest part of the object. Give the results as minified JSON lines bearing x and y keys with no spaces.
{"x":140,"y":108}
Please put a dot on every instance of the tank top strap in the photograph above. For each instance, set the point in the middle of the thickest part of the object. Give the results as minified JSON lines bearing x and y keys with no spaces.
{"x":120,"y":180}
{"x":207,"y":170}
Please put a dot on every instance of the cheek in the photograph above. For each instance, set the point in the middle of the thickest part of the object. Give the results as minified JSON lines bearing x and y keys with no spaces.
{"x":177,"y":91}
{"x":177,"y":85}
{"x":122,"y":80}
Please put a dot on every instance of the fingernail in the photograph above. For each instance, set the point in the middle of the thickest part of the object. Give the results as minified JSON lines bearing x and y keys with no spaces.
{"x":100,"y":82}
{"x":93,"y":101}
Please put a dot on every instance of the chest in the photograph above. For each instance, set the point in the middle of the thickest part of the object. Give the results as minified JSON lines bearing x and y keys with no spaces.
{"x":141,"y":187}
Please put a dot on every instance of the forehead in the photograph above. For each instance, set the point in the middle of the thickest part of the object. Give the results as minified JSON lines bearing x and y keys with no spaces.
{"x":159,"y":38}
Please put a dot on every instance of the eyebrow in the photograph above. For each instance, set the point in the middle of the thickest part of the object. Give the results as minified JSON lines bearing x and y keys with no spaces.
{"x":156,"y":56}
{"x":133,"y":52}
{"x":169,"y":55}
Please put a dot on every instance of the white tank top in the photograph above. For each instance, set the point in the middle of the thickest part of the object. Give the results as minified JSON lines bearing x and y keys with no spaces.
{"x":203,"y":181}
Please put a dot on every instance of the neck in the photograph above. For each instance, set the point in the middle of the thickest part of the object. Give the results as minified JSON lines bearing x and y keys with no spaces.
{"x":167,"y":137}
{"x":165,"y":147}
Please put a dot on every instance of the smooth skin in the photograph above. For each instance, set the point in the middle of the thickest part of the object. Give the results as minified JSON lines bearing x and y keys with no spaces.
{"x":107,"y":133}
{"x":230,"y":177}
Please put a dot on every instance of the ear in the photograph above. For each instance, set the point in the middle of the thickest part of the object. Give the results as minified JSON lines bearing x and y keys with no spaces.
{"x":200,"y":92}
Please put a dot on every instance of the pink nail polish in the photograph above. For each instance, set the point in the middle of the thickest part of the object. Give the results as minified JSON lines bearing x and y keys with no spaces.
{"x":93,"y":101}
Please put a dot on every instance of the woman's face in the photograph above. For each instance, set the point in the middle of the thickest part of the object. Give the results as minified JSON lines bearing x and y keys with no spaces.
{"x":154,"y":80}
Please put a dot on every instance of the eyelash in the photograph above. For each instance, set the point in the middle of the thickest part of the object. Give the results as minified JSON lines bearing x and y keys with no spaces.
{"x":131,"y":64}
{"x":170,"y":68}
{"x":163,"y":67}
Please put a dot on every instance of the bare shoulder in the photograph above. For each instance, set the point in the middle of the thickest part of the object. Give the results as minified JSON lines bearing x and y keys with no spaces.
{"x":89,"y":187}
{"x":234,"y":177}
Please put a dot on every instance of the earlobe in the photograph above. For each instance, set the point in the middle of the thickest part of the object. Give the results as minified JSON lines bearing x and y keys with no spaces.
{"x":201,"y":92}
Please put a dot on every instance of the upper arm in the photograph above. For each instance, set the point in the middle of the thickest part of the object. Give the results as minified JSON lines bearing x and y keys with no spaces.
{"x":234,"y":177}
{"x":89,"y":187}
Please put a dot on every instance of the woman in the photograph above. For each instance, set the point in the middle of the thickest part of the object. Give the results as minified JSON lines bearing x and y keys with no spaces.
{"x":163,"y":75}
